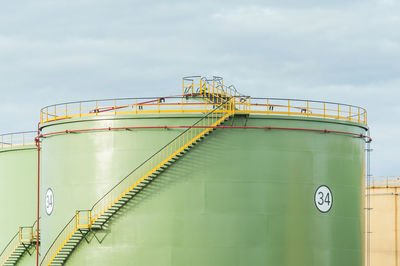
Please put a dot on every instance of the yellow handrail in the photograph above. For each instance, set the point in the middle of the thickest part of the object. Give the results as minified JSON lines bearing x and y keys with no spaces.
{"x":85,"y":219}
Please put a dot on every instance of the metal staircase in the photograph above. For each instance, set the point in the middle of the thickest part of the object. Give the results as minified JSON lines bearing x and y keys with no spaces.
{"x":85,"y":221}
{"x":24,"y":241}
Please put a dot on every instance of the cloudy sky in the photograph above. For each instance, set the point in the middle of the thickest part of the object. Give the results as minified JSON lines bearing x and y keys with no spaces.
{"x":54,"y":51}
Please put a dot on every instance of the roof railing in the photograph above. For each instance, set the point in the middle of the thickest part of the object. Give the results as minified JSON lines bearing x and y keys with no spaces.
{"x":17,"y":139}
{"x":196,"y":91}
{"x":383,"y":181}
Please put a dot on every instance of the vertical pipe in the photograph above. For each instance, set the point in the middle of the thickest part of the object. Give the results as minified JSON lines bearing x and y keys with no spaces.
{"x":368,"y":150}
{"x":37,"y":141}
{"x":396,"y":249}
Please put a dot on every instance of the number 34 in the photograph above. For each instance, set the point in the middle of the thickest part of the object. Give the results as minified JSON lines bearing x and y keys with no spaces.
{"x":324,"y":198}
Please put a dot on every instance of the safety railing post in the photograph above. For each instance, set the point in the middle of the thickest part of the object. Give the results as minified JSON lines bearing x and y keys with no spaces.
{"x":249,"y":104}
{"x":97,"y":110}
{"x":213,"y":93}
{"x":115,"y":107}
{"x":365,"y":117}
{"x":350,"y":112}
{"x":338,"y":111}
{"x":324,"y":110}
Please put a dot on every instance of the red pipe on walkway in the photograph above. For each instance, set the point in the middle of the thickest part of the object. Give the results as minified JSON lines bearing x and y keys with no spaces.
{"x":367,"y":138}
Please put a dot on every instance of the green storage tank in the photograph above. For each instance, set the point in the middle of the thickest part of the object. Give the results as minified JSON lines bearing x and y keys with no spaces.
{"x":18,"y":193}
{"x":278,"y":182}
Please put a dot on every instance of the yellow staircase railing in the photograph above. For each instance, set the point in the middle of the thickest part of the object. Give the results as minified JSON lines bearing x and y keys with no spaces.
{"x":19,"y":244}
{"x":85,"y":220}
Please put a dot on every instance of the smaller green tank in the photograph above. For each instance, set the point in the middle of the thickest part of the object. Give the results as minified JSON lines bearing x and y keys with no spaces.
{"x":18,"y":191}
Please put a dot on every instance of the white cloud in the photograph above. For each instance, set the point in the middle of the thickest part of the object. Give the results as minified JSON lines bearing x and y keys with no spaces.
{"x":344,"y":51}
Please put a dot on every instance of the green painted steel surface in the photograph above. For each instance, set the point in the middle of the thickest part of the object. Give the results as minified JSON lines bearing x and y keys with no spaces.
{"x":17,"y":193}
{"x":240,"y":197}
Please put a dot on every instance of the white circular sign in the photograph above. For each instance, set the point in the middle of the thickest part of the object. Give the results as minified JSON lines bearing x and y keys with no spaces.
{"x":323,"y":198}
{"x":49,"y":201}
